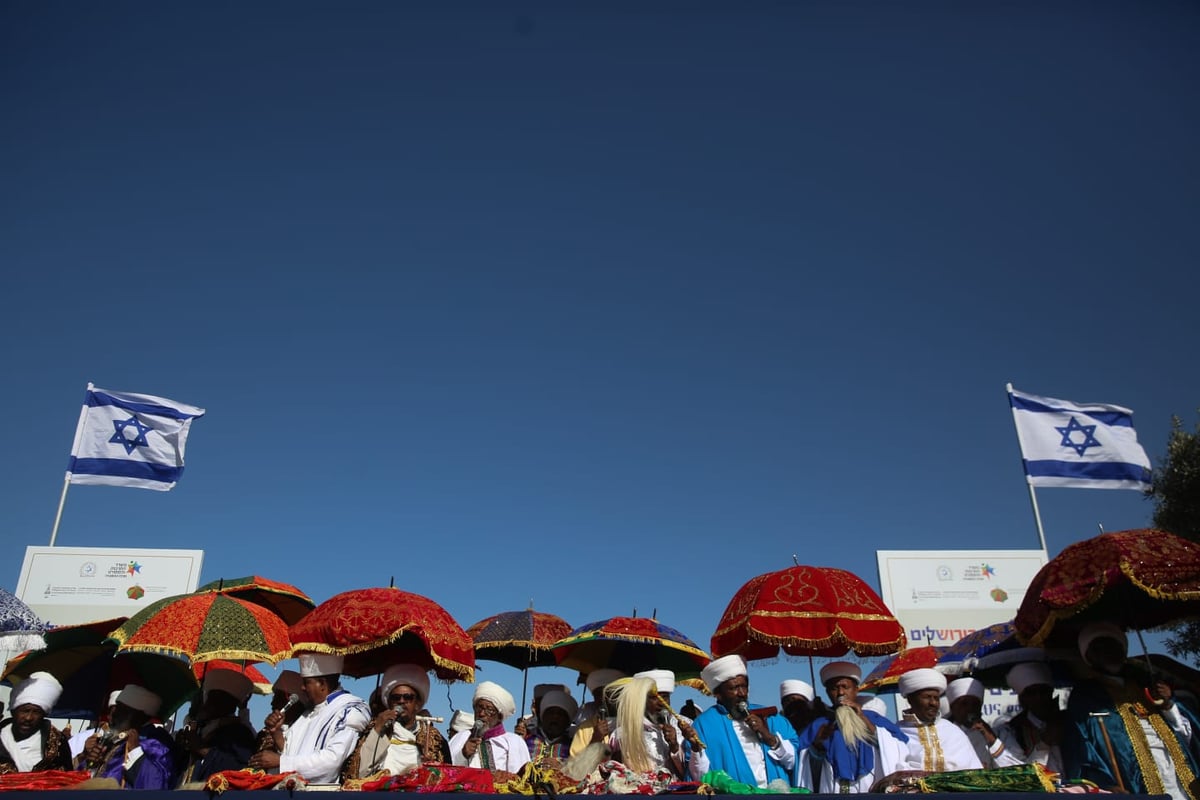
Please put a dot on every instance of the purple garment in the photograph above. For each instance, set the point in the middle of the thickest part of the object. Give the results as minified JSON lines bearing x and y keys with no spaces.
{"x":158,"y":768}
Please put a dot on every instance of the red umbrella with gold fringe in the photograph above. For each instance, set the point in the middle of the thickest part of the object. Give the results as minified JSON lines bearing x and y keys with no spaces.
{"x":807,"y":611}
{"x":376,"y":627}
{"x":1138,"y":579}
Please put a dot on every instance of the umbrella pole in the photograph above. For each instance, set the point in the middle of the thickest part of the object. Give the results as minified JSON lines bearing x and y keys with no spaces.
{"x":812,"y":676}
{"x":524,"y":685}
{"x":1146,"y":655}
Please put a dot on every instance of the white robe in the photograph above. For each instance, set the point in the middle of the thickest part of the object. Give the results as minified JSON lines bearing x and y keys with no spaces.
{"x":890,"y":756}
{"x":939,"y":747}
{"x":322,"y":739}
{"x":509,"y":751}
{"x":1049,"y":756}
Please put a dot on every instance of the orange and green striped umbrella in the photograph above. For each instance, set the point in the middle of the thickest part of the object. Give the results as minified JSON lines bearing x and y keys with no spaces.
{"x":284,"y":599}
{"x":205,"y":626}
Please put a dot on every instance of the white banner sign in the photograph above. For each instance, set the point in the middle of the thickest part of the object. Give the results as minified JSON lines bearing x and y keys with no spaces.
{"x":71,"y":585}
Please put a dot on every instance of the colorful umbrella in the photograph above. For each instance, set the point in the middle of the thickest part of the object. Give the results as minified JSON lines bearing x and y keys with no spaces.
{"x":886,"y":675}
{"x":261,"y":683}
{"x":285,"y":600}
{"x":375,"y":628}
{"x":20,"y":628}
{"x":89,"y":669}
{"x":813,"y":611}
{"x":204,"y":627}
{"x":630,"y":644}
{"x":520,"y":639}
{"x":1138,"y":579}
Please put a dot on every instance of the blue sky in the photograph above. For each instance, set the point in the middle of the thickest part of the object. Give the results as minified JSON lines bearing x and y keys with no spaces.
{"x":607,"y":306}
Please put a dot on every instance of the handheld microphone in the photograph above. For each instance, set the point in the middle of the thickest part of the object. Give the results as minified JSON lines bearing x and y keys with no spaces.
{"x":742,"y":709}
{"x":293,"y":698}
{"x":477,"y":729}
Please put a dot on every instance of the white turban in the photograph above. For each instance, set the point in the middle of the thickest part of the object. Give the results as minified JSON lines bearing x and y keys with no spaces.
{"x":796,"y":687}
{"x":664,"y":679}
{"x":1022,"y":676}
{"x":877,"y":705}
{"x":557,"y":698}
{"x":461,"y":721}
{"x":840,"y":669}
{"x":917,"y":679}
{"x":405,"y":675}
{"x":112,"y":697}
{"x":1101,"y":630}
{"x":599,"y":678}
{"x":964,"y":686}
{"x":722,"y":669}
{"x":230,"y":682}
{"x":498,"y":695}
{"x":316,"y":665}
{"x":40,"y":689}
{"x":141,"y":698}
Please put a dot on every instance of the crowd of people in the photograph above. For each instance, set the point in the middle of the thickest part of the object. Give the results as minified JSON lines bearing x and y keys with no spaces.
{"x":1114,"y":733}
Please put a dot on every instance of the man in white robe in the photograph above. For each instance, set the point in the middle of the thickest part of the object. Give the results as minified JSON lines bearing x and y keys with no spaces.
{"x":487,"y":744}
{"x":965,"y":697}
{"x":935,"y":744}
{"x":1034,"y":736}
{"x":322,"y":739}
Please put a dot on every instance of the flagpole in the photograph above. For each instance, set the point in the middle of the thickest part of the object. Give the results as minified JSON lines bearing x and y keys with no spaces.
{"x":62,"y":500}
{"x":1037,"y":515}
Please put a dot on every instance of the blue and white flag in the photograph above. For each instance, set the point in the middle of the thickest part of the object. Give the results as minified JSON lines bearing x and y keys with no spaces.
{"x":1091,"y":446}
{"x":127,"y":439}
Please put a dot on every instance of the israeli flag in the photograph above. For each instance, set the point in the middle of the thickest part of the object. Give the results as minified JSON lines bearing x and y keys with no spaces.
{"x":127,"y":439}
{"x":1092,"y":446}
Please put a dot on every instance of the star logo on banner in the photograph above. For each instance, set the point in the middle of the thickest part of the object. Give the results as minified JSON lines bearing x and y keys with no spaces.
{"x":1073,"y":427}
{"x":133,"y":568}
{"x":130,"y":433}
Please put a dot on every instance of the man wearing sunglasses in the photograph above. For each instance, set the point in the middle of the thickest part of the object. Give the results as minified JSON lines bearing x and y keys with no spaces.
{"x":400,"y":740}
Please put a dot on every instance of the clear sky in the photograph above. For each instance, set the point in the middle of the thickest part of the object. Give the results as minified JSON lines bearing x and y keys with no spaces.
{"x":610,"y":306}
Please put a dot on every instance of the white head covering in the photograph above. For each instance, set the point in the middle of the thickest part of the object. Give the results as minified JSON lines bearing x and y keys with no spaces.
{"x":599,"y":678}
{"x":841,"y":669}
{"x":112,"y":697}
{"x":141,"y":698}
{"x":501,"y":699}
{"x":557,"y":698}
{"x":664,"y":679}
{"x":230,"y":682}
{"x":1022,"y":676}
{"x":40,"y":689}
{"x":917,"y":679}
{"x":405,"y":675}
{"x":1101,"y":630}
{"x":461,"y":721}
{"x":796,"y":687}
{"x":964,"y":686}
{"x":316,"y":665}
{"x":877,"y":705}
{"x":722,"y":669}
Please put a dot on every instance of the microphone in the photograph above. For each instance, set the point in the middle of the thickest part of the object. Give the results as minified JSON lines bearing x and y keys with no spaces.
{"x":742,"y":709}
{"x":477,"y":729}
{"x":293,"y":698}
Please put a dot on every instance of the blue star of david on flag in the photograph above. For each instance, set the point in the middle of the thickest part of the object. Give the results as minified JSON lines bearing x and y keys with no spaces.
{"x":1046,"y":425}
{"x":123,"y":438}
{"x":126,"y":419}
{"x":1089,"y":436}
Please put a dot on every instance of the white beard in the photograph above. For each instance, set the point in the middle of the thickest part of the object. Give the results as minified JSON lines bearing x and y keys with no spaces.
{"x":853,"y":727}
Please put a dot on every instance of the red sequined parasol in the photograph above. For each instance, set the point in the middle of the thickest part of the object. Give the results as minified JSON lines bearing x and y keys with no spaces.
{"x":807,"y":611}
{"x":377,"y":627}
{"x":1138,"y":579}
{"x":885,"y":678}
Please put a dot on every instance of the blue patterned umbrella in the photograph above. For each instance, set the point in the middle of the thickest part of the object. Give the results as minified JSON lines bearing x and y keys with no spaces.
{"x":20,"y":628}
{"x":995,"y":645}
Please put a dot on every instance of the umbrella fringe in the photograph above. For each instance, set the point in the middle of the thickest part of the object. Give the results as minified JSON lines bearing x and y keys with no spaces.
{"x":860,"y":648}
{"x":1155,"y":591}
{"x":630,"y":638}
{"x":467,"y":672}
{"x":512,"y":643}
